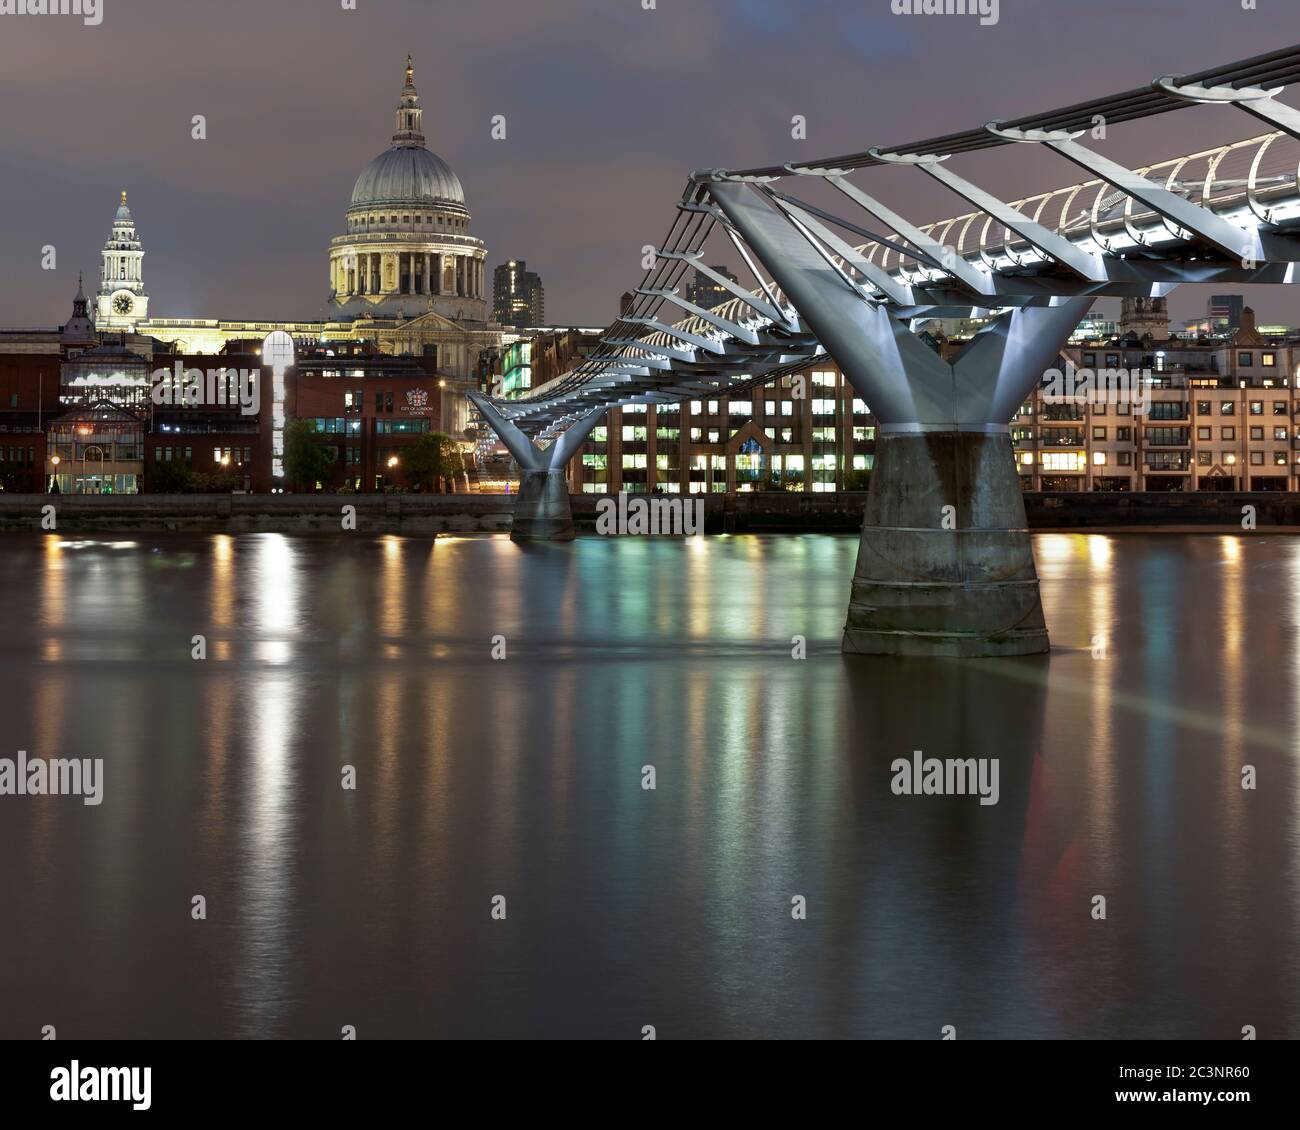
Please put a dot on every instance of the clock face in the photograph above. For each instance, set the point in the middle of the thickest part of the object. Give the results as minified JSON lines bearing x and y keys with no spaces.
{"x":122,"y":304}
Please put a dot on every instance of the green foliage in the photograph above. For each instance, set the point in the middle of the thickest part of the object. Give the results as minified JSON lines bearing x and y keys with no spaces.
{"x":174,"y":477}
{"x":171,"y":478}
{"x":431,"y":459}
{"x":308,"y":458}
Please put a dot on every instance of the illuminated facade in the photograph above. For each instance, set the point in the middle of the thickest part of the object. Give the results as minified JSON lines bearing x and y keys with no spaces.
{"x":407,"y":277}
{"x":518,"y":297}
{"x":408,"y":248}
{"x":122,"y":303}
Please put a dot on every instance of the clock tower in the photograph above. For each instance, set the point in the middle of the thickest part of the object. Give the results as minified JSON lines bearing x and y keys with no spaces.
{"x":121,"y":301}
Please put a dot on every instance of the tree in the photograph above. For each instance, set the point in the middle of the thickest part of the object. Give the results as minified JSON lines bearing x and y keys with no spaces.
{"x":171,"y":477}
{"x":431,"y":458}
{"x":308,"y":459}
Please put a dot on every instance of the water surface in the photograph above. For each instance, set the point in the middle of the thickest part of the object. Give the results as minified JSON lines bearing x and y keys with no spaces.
{"x":1176,"y":663}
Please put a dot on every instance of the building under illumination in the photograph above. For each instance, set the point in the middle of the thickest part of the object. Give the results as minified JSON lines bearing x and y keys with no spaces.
{"x":518,"y":297}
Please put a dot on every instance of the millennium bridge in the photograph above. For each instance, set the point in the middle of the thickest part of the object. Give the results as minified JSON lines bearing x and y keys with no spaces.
{"x":945,"y":565}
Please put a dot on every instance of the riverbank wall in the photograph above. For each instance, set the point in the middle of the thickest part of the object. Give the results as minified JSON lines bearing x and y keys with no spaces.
{"x":760,"y":512}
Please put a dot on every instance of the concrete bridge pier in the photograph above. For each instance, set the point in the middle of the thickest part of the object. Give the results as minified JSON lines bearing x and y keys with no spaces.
{"x":945,"y":566}
{"x":542,"y":510}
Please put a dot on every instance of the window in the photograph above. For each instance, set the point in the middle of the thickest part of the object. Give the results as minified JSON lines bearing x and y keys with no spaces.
{"x":1202,"y":407}
{"x":1124,"y":435}
{"x":1112,"y":360}
{"x":1099,"y":409}
{"x":1099,"y":433}
{"x":1268,"y":360}
{"x":1205,"y":458}
{"x":1125,"y":459}
{"x":1257,"y":458}
{"x":1246,"y":360}
{"x":1090,"y":360}
{"x":1256,"y":433}
{"x":1204,"y":433}
{"x":1227,"y":433}
{"x":13,"y":400}
{"x":1282,"y":434}
{"x":1279,"y":458}
{"x":1227,"y":408}
{"x":1099,"y":458}
{"x":1062,"y":461}
{"x":1257,"y":408}
{"x":1279,"y":408}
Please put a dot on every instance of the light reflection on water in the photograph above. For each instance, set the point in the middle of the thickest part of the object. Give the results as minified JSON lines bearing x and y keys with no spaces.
{"x":1176,"y":663}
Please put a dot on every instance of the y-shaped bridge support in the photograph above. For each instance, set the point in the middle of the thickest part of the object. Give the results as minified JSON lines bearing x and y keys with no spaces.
{"x":542,"y":511}
{"x":945,"y":565}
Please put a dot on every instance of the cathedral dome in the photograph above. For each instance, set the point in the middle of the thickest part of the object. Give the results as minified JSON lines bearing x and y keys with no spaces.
{"x":407,"y":174}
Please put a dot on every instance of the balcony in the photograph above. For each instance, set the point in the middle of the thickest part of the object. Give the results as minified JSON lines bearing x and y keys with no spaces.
{"x":1062,"y":437}
{"x":1175,"y":462}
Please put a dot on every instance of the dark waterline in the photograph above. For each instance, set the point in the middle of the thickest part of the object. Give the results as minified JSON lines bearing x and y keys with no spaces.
{"x":1120,"y":776}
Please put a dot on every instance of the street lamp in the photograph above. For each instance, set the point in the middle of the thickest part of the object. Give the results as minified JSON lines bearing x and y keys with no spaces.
{"x":392,"y":460}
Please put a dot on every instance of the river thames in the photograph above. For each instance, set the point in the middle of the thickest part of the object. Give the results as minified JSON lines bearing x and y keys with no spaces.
{"x":1176,"y":665}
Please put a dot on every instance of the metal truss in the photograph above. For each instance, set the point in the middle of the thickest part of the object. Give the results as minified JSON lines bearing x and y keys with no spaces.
{"x":1125,"y":232}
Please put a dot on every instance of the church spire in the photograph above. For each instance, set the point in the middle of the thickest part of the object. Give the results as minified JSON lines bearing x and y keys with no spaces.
{"x":410,"y":117}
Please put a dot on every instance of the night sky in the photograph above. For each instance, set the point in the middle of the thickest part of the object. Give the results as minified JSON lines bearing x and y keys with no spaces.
{"x":608,"y":108}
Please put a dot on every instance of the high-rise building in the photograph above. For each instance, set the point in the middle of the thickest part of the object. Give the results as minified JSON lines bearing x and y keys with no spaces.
{"x":706,"y":292}
{"x":1223,"y":311}
{"x":518,"y":298}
